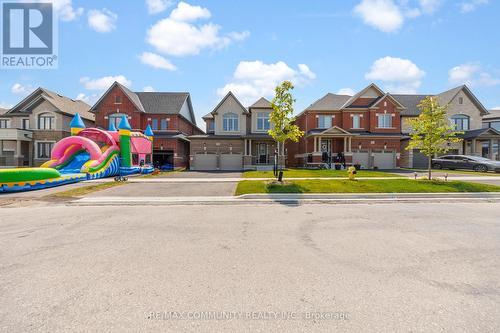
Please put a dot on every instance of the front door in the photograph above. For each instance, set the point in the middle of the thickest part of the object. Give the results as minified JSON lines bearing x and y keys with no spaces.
{"x":326,"y":149}
{"x":262,"y":153}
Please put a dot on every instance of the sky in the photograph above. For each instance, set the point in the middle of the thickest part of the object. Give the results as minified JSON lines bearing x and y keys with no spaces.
{"x":210,"y":47}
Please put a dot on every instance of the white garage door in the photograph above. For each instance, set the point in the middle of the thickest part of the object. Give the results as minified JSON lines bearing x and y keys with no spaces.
{"x":205,"y":162}
{"x":231,"y":162}
{"x":362,"y":159}
{"x":384,"y":160}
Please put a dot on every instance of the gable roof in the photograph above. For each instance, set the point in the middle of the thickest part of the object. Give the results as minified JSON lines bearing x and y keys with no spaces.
{"x":329,"y":102}
{"x":387,"y":95}
{"x":359,"y":94}
{"x":447,"y":96}
{"x":262,"y":103}
{"x":410,"y":102}
{"x":224,"y":99}
{"x":478,"y":132}
{"x":154,"y":102}
{"x":64,"y":104}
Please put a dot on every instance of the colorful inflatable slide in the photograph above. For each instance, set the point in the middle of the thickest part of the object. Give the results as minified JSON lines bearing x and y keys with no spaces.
{"x":89,"y":153}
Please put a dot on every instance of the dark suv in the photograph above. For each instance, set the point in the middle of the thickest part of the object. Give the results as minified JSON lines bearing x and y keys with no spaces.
{"x":476,"y":163}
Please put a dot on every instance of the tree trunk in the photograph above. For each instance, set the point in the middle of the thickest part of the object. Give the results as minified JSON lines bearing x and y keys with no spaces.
{"x":429,"y":167}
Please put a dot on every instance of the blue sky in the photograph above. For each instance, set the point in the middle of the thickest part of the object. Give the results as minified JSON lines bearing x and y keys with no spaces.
{"x":208,"y":47}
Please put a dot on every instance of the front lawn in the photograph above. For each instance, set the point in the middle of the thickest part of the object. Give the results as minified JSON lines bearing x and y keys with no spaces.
{"x":308,"y":173}
{"x":362,"y":186}
{"x":459,"y":171}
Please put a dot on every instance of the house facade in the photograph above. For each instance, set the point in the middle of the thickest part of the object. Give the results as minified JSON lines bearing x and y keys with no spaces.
{"x":236,"y":138}
{"x":465,"y":112}
{"x":364,"y":129}
{"x":29,"y":130}
{"x":170,"y":115}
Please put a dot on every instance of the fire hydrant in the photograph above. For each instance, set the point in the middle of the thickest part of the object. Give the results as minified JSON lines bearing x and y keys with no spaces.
{"x":352,"y":173}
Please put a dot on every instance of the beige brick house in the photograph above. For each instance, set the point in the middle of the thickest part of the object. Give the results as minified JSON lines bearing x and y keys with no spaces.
{"x":236,"y":137}
{"x":29,"y":130}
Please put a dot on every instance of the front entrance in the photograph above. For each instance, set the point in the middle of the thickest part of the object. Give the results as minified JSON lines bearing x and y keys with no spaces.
{"x":163,"y":159}
{"x":262,"y":158}
{"x":326,"y":150}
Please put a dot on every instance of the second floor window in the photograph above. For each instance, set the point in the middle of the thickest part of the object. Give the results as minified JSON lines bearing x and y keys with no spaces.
{"x":46,"y":121}
{"x":164,"y":125}
{"x":356,"y":121}
{"x":211,"y":127}
{"x":154,"y":124}
{"x":461,"y":122}
{"x":118,"y":100}
{"x":26,"y":124}
{"x":115,"y":119}
{"x":324,"y":121}
{"x":263,"y":123}
{"x":384,"y":120}
{"x":230,"y":122}
{"x":4,"y":123}
{"x":44,"y":149}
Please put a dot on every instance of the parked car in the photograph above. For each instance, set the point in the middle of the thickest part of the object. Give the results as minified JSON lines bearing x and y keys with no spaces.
{"x":476,"y":163}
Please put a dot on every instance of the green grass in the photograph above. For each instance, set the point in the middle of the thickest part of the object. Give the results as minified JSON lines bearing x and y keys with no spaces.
{"x":465,"y":172}
{"x":362,"y":186}
{"x":308,"y":173}
{"x":81,"y":191}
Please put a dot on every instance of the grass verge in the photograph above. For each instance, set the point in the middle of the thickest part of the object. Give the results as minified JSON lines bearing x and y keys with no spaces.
{"x":464,"y":172}
{"x":81,"y":191}
{"x":362,"y":186}
{"x":307,"y":173}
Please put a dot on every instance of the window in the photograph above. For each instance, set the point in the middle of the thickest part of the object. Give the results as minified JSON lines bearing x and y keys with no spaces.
{"x":324,"y":121}
{"x":211,"y":126}
{"x":384,"y":120}
{"x":4,"y":123}
{"x":118,"y":100}
{"x":164,"y":124}
{"x":26,"y":124}
{"x":263,"y":123}
{"x":460,"y":100}
{"x":230,"y":122}
{"x":154,"y":124}
{"x":115,"y":119}
{"x":461,"y":122}
{"x":44,"y":149}
{"x":356,"y":121}
{"x":148,"y":158}
{"x":46,"y":121}
{"x":135,"y":159}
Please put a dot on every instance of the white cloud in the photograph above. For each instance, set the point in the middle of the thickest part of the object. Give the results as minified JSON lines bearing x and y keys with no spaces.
{"x":430,"y":6}
{"x":156,"y":61}
{"x":254,"y":79}
{"x":5,"y":105}
{"x":471,"y":74}
{"x":104,"y":83}
{"x":346,"y":91}
{"x":158,"y":6}
{"x":89,"y":99}
{"x":177,"y":35}
{"x":102,"y":21}
{"x":399,"y":75}
{"x":381,"y":14}
{"x":19,"y":89}
{"x":469,"y":6}
{"x":65,"y":10}
{"x":148,"y":89}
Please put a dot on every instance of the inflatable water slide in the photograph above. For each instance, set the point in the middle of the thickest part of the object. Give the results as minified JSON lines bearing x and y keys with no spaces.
{"x":89,"y":153}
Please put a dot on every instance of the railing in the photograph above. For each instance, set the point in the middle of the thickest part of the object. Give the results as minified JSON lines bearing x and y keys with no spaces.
{"x":263,"y":160}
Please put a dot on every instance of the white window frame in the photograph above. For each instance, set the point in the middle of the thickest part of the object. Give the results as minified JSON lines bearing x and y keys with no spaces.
{"x":263,"y":121}
{"x":37,"y":151}
{"x":327,"y":119}
{"x":384,"y":120}
{"x":230,"y":122}
{"x":45,"y":116}
{"x":22,"y":123}
{"x":358,"y":119}
{"x":116,"y":118}
{"x":5,"y":121}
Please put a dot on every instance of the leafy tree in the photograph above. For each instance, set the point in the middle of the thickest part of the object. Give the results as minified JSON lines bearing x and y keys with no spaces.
{"x":281,"y":118}
{"x":431,"y":131}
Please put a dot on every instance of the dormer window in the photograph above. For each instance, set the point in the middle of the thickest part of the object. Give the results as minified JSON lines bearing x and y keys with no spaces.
{"x":211,"y":126}
{"x":230,"y":122}
{"x":324,"y":121}
{"x":118,"y":99}
{"x":263,"y":123}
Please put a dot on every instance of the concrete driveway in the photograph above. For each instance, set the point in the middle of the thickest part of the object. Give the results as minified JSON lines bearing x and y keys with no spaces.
{"x":205,"y":174}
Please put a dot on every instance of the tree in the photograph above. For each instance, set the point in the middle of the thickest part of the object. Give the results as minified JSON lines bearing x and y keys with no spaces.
{"x":281,"y":118}
{"x":431,"y":131}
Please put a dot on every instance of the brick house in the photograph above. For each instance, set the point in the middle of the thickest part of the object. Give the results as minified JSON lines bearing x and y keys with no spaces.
{"x":236,"y":137}
{"x":170,"y":115}
{"x":365,"y":128}
{"x":29,"y":130}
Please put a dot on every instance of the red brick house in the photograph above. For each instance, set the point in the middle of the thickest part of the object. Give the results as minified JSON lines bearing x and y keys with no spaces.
{"x":365,"y":128}
{"x":170,"y":115}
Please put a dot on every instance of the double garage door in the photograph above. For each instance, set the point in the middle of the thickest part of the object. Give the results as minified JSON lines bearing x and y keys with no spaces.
{"x":381,"y":160}
{"x":210,"y":162}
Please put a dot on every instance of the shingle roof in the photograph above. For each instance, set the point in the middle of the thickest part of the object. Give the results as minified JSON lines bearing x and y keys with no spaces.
{"x":410,"y":102}
{"x":492,"y":114}
{"x":261,"y":103}
{"x":132,"y":96}
{"x":64,"y":104}
{"x":162,"y":102}
{"x":477,"y":132}
{"x":208,"y":116}
{"x":329,"y":102}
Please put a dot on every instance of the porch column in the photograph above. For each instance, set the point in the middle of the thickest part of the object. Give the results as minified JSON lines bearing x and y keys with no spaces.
{"x":18,"y":148}
{"x":250,"y":147}
{"x":315,"y":145}
{"x":246,"y":147}
{"x":490,"y":150}
{"x":350,"y":144}
{"x":473,"y":147}
{"x":345,"y":144}
{"x":498,"y":151}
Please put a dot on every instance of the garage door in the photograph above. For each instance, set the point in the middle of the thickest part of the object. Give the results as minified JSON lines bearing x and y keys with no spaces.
{"x":231,"y":162}
{"x":205,"y":162}
{"x":384,"y":160}
{"x":361,"y":158}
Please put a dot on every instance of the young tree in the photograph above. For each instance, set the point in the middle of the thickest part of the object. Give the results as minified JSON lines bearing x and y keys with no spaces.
{"x":281,"y":118}
{"x":431,"y":132}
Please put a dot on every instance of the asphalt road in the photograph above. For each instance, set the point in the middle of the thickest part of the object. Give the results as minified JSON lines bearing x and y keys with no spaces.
{"x":354,"y":268}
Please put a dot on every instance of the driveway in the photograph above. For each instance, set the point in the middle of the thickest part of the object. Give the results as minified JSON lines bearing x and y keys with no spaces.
{"x":312,"y":268}
{"x":205,"y":174}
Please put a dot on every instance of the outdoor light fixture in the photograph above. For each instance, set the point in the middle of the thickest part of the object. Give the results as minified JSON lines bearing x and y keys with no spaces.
{"x":204,"y":146}
{"x":161,"y":146}
{"x":359,"y":146}
{"x":385,"y":145}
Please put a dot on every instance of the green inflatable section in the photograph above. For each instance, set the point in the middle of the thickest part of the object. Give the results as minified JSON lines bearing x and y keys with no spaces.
{"x":27,"y":174}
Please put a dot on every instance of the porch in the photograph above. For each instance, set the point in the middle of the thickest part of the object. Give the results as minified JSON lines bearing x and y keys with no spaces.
{"x":15,"y":148}
{"x":331,"y":146}
{"x":261,"y":153}
{"x":483,"y":142}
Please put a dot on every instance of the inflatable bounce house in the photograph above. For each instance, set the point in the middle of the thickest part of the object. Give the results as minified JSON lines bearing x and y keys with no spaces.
{"x":89,"y":153}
